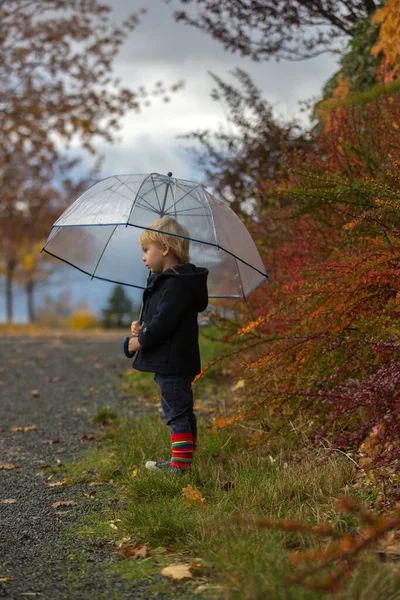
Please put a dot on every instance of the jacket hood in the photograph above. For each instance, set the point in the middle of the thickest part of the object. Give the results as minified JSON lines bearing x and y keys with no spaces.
{"x":194,"y":277}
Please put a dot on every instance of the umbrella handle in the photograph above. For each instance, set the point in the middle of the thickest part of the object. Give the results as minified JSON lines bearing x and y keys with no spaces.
{"x":128,"y":354}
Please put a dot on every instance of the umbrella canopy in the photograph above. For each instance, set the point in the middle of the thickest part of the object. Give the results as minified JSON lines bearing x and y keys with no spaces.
{"x":99,"y":233}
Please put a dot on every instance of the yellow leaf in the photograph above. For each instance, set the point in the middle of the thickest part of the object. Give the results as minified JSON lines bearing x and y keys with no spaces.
{"x":177,"y":571}
{"x":64,"y":481}
{"x":27,"y":428}
{"x":134,"y":473}
{"x":6,"y":579}
{"x":8,"y":466}
{"x":192,"y":495}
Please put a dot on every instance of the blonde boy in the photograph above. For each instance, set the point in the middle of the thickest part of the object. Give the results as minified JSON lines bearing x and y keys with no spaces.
{"x":166,"y":339}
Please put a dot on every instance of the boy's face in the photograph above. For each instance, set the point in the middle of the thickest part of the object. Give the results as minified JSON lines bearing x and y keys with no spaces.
{"x":154,"y":257}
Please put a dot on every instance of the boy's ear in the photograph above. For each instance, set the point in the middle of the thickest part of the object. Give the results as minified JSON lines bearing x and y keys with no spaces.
{"x":165,"y":249}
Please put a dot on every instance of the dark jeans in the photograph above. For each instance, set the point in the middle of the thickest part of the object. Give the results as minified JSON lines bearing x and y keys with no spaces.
{"x":177,"y":402}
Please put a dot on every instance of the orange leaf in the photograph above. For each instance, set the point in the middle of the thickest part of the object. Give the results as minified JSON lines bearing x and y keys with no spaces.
{"x":134,"y":551}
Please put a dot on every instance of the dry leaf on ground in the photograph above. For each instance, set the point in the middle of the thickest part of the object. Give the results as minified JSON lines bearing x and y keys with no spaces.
{"x":64,"y":481}
{"x":26,"y":428}
{"x":177,"y":571}
{"x":55,"y":441}
{"x":35,"y":393}
{"x":133,"y":551}
{"x":192,"y":495}
{"x":8,"y":501}
{"x":6,"y":579}
{"x":63,"y":503}
{"x":8,"y":466}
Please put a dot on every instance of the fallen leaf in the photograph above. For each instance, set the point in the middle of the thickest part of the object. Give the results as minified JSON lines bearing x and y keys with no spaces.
{"x":27,"y":428}
{"x":177,"y":571}
{"x":134,"y":473}
{"x":55,"y":441}
{"x":64,"y":481}
{"x":192,"y":495}
{"x":8,"y":466}
{"x":229,"y":485}
{"x":2,"y":369}
{"x":35,"y":393}
{"x":96,"y":483}
{"x":63,"y":503}
{"x":133,"y":551}
{"x":87,"y":438}
{"x":8,"y":501}
{"x":52,"y":378}
{"x":80,"y":409}
{"x":6,"y":579}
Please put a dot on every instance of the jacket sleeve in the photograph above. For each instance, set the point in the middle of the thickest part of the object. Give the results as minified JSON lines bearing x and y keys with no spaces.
{"x":172,"y":305}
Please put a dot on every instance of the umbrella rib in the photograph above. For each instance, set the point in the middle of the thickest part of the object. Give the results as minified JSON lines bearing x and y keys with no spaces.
{"x":188,"y":194}
{"x":138,"y":192}
{"x":155,"y":189}
{"x":244,"y":262}
{"x":178,"y":212}
{"x":104,"y":249}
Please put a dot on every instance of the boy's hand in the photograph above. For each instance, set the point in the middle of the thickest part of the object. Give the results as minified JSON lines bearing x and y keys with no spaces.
{"x":134,"y":345}
{"x":135,"y":328}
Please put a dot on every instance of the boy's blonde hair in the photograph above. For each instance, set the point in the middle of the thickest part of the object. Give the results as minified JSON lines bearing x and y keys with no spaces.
{"x":178,"y":245}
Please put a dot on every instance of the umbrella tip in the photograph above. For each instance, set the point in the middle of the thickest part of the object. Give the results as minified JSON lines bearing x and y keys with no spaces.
{"x":169,"y":174}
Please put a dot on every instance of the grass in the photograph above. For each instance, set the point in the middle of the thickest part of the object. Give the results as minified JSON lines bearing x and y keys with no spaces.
{"x":234,"y":479}
{"x":236,"y":475}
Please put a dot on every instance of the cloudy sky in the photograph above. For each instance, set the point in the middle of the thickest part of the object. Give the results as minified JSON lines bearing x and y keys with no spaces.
{"x":161,"y":49}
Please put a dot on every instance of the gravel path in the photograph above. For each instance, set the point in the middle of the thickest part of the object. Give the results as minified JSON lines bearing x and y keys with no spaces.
{"x":56,"y":384}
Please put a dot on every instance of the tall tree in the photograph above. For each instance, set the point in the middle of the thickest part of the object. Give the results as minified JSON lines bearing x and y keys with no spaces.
{"x":57,"y":86}
{"x":287,"y":29}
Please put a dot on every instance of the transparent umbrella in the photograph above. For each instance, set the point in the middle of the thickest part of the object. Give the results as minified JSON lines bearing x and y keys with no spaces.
{"x":99,"y":233}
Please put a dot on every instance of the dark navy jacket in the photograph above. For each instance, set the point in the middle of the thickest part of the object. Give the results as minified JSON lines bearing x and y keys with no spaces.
{"x":170,"y":333}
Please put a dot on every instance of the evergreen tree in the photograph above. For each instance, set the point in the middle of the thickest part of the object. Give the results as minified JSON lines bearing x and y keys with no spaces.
{"x":120,"y":310}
